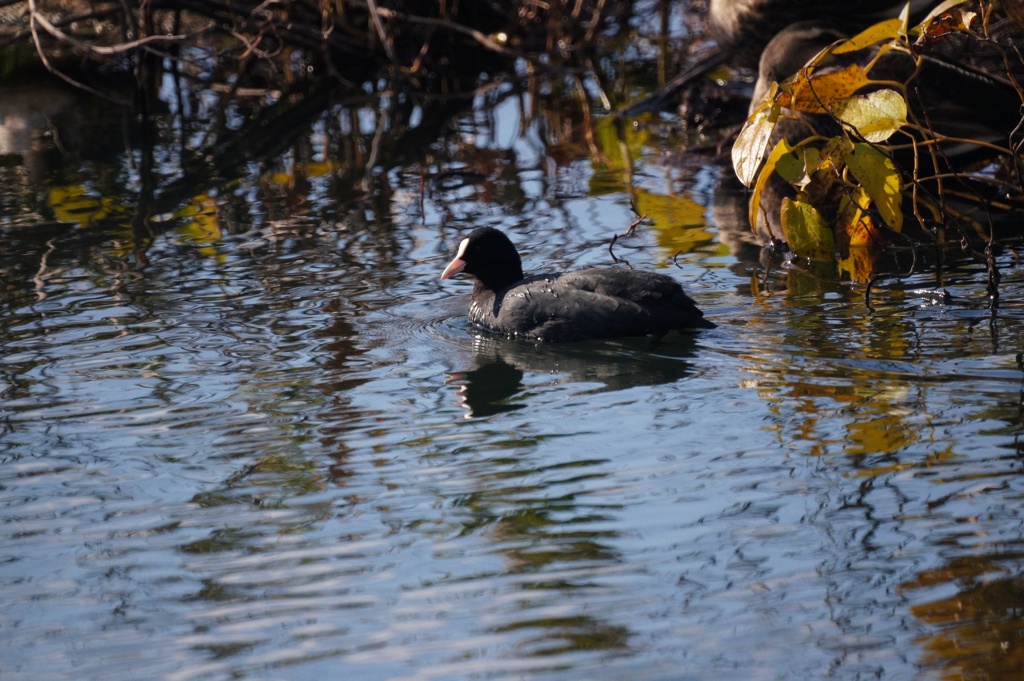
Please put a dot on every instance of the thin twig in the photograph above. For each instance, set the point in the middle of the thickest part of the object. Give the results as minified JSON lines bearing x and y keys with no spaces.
{"x":773,"y":250}
{"x":481,"y":38}
{"x":993,"y":276}
{"x":382,"y":35}
{"x":588,"y":37}
{"x":36,"y":17}
{"x":628,"y":232}
{"x":867,"y":289}
{"x":49,"y":67}
{"x":39,"y":279}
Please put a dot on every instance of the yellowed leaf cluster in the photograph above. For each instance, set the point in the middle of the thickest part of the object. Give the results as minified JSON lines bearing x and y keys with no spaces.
{"x":848,"y":191}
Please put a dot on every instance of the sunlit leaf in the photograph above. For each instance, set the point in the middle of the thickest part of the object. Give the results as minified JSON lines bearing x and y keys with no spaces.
{"x":951,"y":22}
{"x":797,"y":168}
{"x":834,"y":153}
{"x":875,"y":116}
{"x":781,"y":148}
{"x":790,"y":168}
{"x":807,"y":233}
{"x":857,"y":224}
{"x":858,"y":240}
{"x":877,"y":174}
{"x":825,"y":170}
{"x":853,"y":233}
{"x":858,"y":264}
{"x":818,"y":93}
{"x":944,"y":7}
{"x":753,"y":140}
{"x":812,"y":159}
{"x":880,"y":32}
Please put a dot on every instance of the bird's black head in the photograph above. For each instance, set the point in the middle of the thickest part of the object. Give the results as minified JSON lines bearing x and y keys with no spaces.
{"x":489,"y":256}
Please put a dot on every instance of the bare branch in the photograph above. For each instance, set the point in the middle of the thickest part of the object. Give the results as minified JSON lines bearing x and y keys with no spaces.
{"x":35,"y":17}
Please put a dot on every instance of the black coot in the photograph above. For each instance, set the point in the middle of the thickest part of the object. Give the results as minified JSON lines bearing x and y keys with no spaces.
{"x":599,"y":302}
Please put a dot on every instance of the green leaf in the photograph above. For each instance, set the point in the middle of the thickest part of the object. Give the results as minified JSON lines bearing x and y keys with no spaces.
{"x":807,"y":233}
{"x":753,"y":140}
{"x":799,"y":166}
{"x":790,"y":168}
{"x":875,"y":116}
{"x":877,"y":174}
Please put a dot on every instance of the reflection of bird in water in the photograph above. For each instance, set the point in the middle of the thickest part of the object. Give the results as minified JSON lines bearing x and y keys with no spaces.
{"x":485,"y":391}
{"x":492,"y":386}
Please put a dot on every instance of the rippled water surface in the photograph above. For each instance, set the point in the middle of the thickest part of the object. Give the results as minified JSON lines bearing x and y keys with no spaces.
{"x":282,"y":453}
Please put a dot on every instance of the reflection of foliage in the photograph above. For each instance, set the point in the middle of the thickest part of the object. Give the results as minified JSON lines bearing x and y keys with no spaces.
{"x":75,"y":204}
{"x":215,"y":91}
{"x":347,"y":106}
{"x":978,"y":629}
{"x":857,"y":141}
{"x":559,"y":635}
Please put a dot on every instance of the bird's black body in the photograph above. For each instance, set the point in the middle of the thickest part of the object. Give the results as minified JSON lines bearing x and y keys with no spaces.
{"x":599,"y":302}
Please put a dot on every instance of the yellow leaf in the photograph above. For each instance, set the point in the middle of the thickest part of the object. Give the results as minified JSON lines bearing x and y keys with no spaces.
{"x":753,"y":140}
{"x":875,"y":116}
{"x":812,"y":159}
{"x":837,"y":149}
{"x":798,"y":168}
{"x":825,"y":170}
{"x":944,"y":7}
{"x":877,"y":174}
{"x":880,"y":32}
{"x":853,"y":220}
{"x":858,"y":241}
{"x":790,"y":168}
{"x":769,"y":167}
{"x":807,"y":233}
{"x":817,"y":93}
{"x":858,"y":265}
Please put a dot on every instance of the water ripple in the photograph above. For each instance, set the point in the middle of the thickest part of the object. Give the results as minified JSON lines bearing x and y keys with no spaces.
{"x":288,"y":459}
